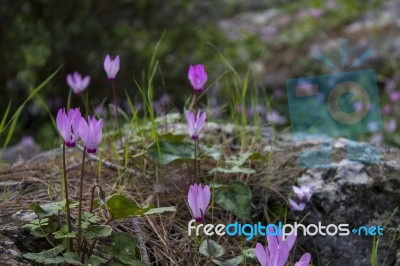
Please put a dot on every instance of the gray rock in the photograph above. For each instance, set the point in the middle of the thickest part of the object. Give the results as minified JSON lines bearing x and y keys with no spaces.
{"x":356,"y":193}
{"x":15,"y":240}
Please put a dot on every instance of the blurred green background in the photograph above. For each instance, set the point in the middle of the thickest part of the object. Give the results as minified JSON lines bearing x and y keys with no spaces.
{"x":275,"y":40}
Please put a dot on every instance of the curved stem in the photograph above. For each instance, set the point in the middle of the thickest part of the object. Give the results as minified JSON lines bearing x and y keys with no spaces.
{"x":70,"y":247}
{"x":80,"y":203}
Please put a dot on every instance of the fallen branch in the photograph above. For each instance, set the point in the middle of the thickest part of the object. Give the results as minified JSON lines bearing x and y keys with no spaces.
{"x":142,"y":244}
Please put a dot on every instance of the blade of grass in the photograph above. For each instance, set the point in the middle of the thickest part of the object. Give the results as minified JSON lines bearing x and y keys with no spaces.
{"x":31,"y":95}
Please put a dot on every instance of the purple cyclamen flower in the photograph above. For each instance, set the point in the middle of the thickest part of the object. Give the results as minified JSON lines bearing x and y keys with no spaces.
{"x":387,"y":109}
{"x":198,"y":199}
{"x":376,"y":138}
{"x":391,"y":126}
{"x":91,"y":133}
{"x":274,"y":117}
{"x":277,"y":251}
{"x":198,"y":77}
{"x":111,"y":66}
{"x":195,"y":125}
{"x":77,"y":83}
{"x":68,"y":125}
{"x":303,"y":194}
{"x":394,"y":96}
{"x":304,"y":260}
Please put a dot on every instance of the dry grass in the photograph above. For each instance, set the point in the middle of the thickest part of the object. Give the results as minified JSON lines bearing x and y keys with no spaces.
{"x":165,"y":235}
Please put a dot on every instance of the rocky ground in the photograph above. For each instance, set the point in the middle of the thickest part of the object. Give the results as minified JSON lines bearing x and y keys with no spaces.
{"x":350,"y":191}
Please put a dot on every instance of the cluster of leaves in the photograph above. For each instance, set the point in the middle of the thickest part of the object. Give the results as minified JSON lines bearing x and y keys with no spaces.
{"x":213,"y":250}
{"x":49,"y":225}
{"x":236,"y":196}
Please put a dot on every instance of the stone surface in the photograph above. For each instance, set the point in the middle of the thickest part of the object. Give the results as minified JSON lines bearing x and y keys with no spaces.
{"x":15,"y":241}
{"x":354,"y":193}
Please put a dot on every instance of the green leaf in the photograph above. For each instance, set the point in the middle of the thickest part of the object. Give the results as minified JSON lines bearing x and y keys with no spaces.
{"x":210,"y":247}
{"x":250,"y":253}
{"x":173,"y":137}
{"x":63,"y":233}
{"x":41,"y":227}
{"x":216,"y":185}
{"x":240,"y":159}
{"x":213,"y":152}
{"x":124,"y":250}
{"x":234,"y":170}
{"x":47,"y":257}
{"x":88,"y":219}
{"x":232,"y":262}
{"x":95,"y":261}
{"x":236,"y":198}
{"x":160,"y":210}
{"x":73,"y":258}
{"x":93,"y":231}
{"x":170,"y":152}
{"x":49,"y":209}
{"x":121,"y":207}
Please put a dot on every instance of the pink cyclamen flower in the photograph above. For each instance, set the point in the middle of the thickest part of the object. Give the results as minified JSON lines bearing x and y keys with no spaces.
{"x":68,"y":125}
{"x":303,"y":194}
{"x":277,"y":251}
{"x":198,"y":77}
{"x":304,"y":260}
{"x":77,"y":83}
{"x":111,"y":66}
{"x":91,"y":133}
{"x":198,"y":199}
{"x":195,"y":125}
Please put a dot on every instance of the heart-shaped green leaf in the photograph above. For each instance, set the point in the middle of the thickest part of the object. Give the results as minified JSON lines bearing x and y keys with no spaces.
{"x":236,"y":197}
{"x":211,"y":248}
{"x":121,"y":207}
{"x":170,"y":151}
{"x":93,"y":231}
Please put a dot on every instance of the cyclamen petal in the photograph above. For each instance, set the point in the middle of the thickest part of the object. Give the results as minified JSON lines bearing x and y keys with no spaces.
{"x":296,"y":207}
{"x":68,"y":125}
{"x":199,"y":199}
{"x":262,"y":254}
{"x":283,"y":255}
{"x":198,"y":77}
{"x":111,"y":66}
{"x":191,"y":123}
{"x":303,"y":193}
{"x":195,"y":125}
{"x":91,"y":133}
{"x":304,"y":260}
{"x":77,"y":83}
{"x":277,"y":251}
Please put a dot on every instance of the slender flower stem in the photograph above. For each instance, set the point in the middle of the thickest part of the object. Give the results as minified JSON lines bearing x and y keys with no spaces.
{"x":195,"y":161}
{"x":116,"y":106}
{"x":70,"y":247}
{"x":208,"y":246}
{"x":80,"y":203}
{"x":92,"y":200}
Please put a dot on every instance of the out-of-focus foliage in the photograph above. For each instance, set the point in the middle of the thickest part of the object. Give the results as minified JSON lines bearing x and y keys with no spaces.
{"x":273,"y":38}
{"x":40,"y":35}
